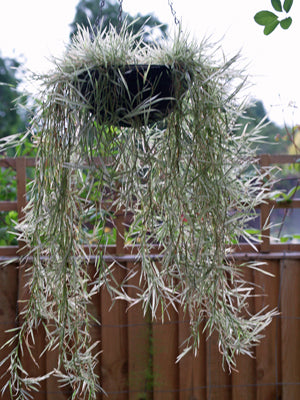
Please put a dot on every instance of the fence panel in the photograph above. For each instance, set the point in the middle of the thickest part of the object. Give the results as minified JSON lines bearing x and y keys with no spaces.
{"x":140,"y":363}
{"x":137,"y":360}
{"x":114,"y":360}
{"x":8,"y":305}
{"x":268,"y":353}
{"x":192,"y":369}
{"x":138,"y":357}
{"x":165,"y":352}
{"x":290,"y":328}
{"x":244,"y":379}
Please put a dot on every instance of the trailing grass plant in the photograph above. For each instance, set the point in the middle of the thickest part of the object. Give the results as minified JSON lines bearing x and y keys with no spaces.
{"x":190,"y":181}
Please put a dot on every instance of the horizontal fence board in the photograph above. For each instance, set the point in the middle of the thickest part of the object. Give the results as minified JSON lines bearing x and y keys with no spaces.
{"x":8,"y":162}
{"x":8,"y":206}
{"x":281,"y":158}
{"x":7,"y":253}
{"x":293,"y":203}
{"x":276,"y":255}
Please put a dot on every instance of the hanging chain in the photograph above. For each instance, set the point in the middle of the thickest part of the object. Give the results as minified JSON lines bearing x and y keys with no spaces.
{"x":98,"y":18}
{"x":120,"y":16}
{"x":101,"y":6}
{"x":171,"y":4}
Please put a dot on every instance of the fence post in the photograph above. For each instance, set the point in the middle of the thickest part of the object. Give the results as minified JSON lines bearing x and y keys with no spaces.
{"x":21,"y":192}
{"x":120,"y":227}
{"x":265,"y":211}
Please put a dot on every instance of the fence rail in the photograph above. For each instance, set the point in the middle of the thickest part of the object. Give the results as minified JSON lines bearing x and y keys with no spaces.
{"x":138,"y":355}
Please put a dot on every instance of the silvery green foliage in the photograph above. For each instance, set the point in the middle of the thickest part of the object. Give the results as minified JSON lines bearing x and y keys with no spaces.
{"x":190,"y":180}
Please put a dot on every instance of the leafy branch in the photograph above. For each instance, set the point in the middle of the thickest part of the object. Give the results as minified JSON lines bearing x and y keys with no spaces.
{"x":270,"y":20}
{"x":282,"y":197}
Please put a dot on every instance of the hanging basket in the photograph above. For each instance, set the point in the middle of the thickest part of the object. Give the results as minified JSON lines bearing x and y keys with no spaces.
{"x":132,"y":94}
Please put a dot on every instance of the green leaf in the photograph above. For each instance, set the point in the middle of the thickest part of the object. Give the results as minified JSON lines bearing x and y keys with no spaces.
{"x":276,"y":5}
{"x":286,"y":238}
{"x":282,"y":197}
{"x":265,"y":18}
{"x":287,"y":5}
{"x":270,"y":27}
{"x":293,"y":191}
{"x":286,"y":23}
{"x":253,"y":231}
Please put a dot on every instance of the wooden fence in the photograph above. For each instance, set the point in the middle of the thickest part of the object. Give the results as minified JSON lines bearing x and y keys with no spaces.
{"x":138,"y":356}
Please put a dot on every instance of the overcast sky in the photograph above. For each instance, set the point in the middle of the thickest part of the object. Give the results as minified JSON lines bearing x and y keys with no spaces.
{"x":37,"y":29}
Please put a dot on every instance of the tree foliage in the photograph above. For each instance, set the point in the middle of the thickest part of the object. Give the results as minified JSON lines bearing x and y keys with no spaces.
{"x":89,"y":13}
{"x":11,"y":120}
{"x":270,"y":20}
{"x":274,"y":138}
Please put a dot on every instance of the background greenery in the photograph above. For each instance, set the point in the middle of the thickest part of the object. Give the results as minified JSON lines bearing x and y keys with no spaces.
{"x":13,"y":118}
{"x":275,"y":138}
{"x":89,"y":14}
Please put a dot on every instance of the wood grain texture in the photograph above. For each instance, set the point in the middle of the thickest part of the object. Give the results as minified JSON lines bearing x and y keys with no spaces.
{"x":21,"y":194}
{"x":32,"y":361}
{"x":95,"y":330}
{"x":114,"y":359}
{"x":8,"y":304}
{"x":192,"y":372}
{"x":165,"y":351}
{"x":54,"y":389}
{"x":268,"y":351}
{"x":244,"y":378}
{"x":140,"y":357}
{"x":290,"y":328}
{"x":218,"y":379}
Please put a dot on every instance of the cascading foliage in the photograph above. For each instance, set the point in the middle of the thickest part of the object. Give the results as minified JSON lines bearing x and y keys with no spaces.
{"x":190,"y":180}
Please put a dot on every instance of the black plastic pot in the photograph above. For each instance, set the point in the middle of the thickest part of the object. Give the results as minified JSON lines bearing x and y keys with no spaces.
{"x":129,"y":95}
